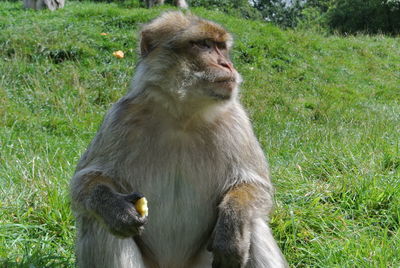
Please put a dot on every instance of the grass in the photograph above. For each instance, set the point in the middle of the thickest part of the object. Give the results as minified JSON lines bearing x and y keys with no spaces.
{"x":326,"y":110}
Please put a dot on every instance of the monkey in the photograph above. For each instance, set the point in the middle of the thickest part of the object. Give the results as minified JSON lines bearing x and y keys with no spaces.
{"x":42,"y":4}
{"x":181,"y":138}
{"x":178,"y":3}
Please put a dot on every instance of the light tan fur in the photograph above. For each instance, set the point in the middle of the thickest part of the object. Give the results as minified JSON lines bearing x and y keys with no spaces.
{"x":181,"y":138}
{"x":42,"y":4}
{"x":178,"y":3}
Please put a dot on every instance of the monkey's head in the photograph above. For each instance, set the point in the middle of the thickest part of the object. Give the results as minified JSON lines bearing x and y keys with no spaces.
{"x":187,"y":58}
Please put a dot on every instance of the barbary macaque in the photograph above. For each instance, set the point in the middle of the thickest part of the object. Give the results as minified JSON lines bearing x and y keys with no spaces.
{"x":178,"y":3}
{"x":44,"y":4}
{"x":181,"y":139}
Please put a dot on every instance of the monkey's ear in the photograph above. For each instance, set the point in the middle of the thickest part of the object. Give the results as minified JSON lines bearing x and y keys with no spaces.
{"x":146,"y":45}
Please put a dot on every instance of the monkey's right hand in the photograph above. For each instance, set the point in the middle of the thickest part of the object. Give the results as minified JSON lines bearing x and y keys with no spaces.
{"x":117,"y":211}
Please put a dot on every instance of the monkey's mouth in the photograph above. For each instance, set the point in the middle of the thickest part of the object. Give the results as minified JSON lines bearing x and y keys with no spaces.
{"x":220,"y":87}
{"x":228,"y":84}
{"x":224,"y":85}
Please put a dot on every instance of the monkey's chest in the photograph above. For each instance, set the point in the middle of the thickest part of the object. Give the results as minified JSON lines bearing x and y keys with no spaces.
{"x":182,"y":213}
{"x":182,"y":195}
{"x":182,"y":184}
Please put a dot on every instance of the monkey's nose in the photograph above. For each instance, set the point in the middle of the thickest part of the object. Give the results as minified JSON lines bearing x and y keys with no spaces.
{"x":226,"y":64}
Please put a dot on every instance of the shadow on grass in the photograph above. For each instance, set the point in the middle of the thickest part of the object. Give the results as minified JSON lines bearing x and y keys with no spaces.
{"x":37,"y":260}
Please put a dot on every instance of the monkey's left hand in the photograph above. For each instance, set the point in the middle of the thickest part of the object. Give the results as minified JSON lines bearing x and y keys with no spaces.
{"x":230,"y":241}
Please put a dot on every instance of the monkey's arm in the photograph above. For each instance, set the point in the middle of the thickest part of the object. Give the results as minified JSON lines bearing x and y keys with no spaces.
{"x":95,"y":194}
{"x":230,"y":241}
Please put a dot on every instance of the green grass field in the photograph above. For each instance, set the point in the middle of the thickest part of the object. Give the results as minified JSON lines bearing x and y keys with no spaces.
{"x":326,"y":110}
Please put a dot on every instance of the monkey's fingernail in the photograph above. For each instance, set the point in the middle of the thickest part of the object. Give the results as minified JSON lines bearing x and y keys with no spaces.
{"x":118,"y":54}
{"x":141,"y":206}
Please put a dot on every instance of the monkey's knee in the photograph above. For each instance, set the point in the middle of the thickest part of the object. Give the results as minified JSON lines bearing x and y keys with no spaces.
{"x":97,"y":248}
{"x":264,"y":251}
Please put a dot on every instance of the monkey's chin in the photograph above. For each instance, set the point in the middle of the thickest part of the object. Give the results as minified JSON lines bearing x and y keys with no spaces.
{"x":223,"y":90}
{"x":219,"y":97}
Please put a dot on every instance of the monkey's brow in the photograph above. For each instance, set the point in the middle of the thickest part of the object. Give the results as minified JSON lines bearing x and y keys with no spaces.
{"x":219,"y":44}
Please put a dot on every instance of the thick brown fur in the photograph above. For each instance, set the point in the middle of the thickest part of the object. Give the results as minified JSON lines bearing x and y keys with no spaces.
{"x":181,"y":138}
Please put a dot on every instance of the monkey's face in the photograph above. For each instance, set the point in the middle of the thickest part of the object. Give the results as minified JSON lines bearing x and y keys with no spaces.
{"x":211,"y":71}
{"x":188,"y":57}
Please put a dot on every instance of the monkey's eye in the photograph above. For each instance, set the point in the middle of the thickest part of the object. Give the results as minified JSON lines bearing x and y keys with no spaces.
{"x":221,"y":45}
{"x":202,"y":44}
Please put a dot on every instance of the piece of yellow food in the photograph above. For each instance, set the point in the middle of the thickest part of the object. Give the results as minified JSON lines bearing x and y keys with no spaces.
{"x":141,"y":206}
{"x":118,"y":54}
{"x":104,"y":34}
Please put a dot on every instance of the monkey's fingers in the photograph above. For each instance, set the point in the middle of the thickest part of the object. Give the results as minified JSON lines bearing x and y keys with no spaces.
{"x":137,"y":220}
{"x":140,"y":203}
{"x":133,"y":197}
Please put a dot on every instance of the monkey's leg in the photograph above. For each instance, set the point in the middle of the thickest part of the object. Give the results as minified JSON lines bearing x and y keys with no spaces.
{"x":181,"y":3}
{"x":50,"y":4}
{"x":264,"y":252}
{"x":98,"y":248}
{"x":29,"y":4}
{"x":151,"y":3}
{"x":40,"y":4}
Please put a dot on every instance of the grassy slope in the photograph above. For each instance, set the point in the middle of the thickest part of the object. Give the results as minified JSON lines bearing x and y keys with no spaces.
{"x":326,"y":110}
